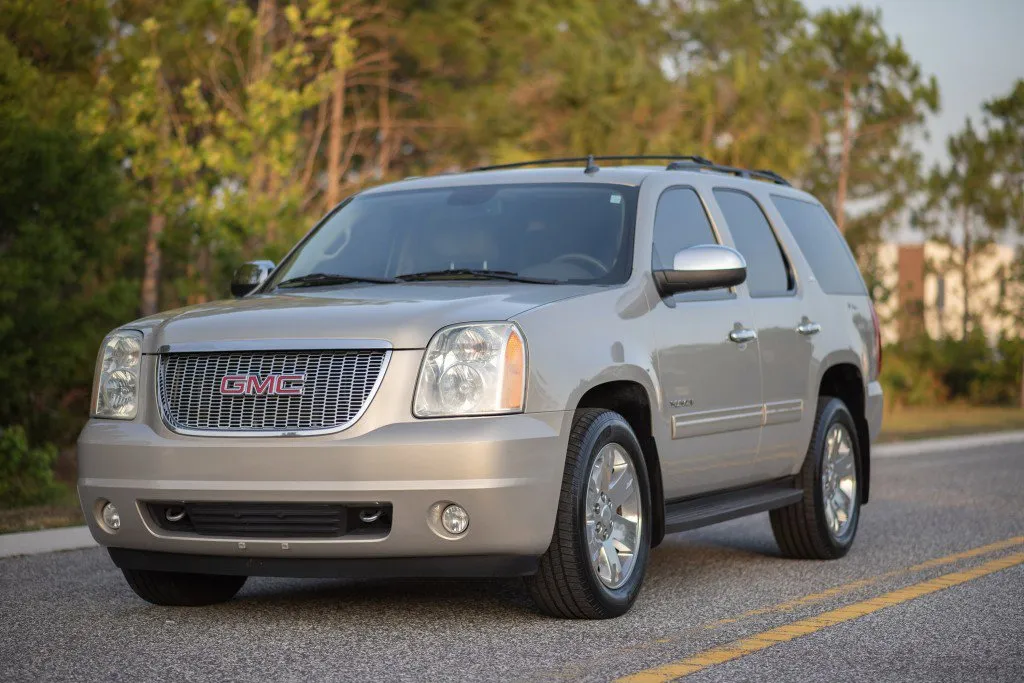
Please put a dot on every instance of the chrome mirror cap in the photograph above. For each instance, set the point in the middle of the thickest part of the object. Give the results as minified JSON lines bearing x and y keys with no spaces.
{"x":249,"y":276}
{"x":708,"y":266}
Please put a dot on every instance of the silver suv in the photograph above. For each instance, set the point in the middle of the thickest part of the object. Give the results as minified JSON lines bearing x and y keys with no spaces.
{"x":531,"y":372}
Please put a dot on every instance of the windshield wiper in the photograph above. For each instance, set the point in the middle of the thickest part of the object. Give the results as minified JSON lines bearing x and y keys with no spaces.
{"x":464,"y":273}
{"x":318,"y":279}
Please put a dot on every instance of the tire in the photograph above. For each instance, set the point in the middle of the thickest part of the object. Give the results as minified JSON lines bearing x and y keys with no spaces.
{"x":175,"y":589}
{"x":803,"y":529}
{"x":567,"y":584}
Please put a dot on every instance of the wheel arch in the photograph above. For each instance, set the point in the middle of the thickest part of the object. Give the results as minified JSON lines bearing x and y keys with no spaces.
{"x":632,"y":400}
{"x":844,"y":380}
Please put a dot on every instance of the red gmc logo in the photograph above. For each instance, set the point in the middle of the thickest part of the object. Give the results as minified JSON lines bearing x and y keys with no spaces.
{"x":254,"y":385}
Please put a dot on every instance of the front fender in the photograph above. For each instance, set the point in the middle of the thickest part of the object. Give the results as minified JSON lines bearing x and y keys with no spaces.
{"x":579,"y":343}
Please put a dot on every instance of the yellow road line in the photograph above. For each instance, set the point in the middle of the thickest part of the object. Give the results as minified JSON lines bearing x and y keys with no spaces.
{"x":863,"y":583}
{"x":803,"y":627}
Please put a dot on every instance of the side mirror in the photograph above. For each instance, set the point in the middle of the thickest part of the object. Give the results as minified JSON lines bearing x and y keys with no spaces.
{"x":249,"y":276}
{"x":709,"y":266}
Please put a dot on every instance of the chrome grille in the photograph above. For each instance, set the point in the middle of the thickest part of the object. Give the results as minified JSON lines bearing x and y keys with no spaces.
{"x":337,"y":386}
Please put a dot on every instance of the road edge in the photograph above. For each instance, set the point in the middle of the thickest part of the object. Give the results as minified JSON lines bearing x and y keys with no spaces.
{"x":46,"y":541}
{"x":947,"y":443}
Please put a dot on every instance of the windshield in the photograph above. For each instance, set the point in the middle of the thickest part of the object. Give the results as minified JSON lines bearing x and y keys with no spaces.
{"x":564,"y":233}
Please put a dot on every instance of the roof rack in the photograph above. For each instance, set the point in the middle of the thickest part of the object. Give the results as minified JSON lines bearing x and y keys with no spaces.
{"x":688,"y":162}
{"x":590,"y":159}
{"x":759,"y":174}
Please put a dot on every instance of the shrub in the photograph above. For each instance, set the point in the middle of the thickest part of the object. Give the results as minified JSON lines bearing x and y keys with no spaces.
{"x":923,"y":371}
{"x":26,"y":473}
{"x":910,"y":383}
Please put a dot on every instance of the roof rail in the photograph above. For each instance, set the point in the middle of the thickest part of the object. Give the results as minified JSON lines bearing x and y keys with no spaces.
{"x":760,"y":174}
{"x":688,"y":162}
{"x":590,"y":159}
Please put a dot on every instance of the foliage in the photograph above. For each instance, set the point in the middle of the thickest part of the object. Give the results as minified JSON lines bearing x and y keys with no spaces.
{"x":65,"y":221}
{"x":26,"y":472}
{"x":923,"y":371}
{"x":909,"y":382}
{"x":744,"y":78}
{"x":874,"y":98}
{"x":977,"y":197}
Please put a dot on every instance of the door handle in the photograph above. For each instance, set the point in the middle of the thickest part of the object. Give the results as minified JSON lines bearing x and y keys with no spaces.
{"x":808,"y":328}
{"x":742,"y":336}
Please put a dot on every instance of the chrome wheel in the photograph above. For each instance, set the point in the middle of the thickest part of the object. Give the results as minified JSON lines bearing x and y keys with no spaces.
{"x":838,"y":481}
{"x":614,"y":516}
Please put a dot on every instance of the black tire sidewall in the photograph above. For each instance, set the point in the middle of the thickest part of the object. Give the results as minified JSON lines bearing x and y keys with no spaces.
{"x":835,"y":412}
{"x":611,"y":428}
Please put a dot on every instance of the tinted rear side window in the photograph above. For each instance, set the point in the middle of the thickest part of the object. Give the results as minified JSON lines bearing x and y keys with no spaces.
{"x":767,"y":270}
{"x":822,"y":246}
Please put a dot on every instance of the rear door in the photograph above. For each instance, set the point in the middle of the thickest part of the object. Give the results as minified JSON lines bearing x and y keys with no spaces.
{"x":785,"y":330}
{"x":711,"y":385}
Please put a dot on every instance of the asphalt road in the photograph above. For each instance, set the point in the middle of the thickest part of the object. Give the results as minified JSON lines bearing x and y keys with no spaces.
{"x":719,"y":604}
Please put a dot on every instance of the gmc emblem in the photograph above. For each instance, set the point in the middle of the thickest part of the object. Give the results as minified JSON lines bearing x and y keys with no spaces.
{"x":253,"y":385}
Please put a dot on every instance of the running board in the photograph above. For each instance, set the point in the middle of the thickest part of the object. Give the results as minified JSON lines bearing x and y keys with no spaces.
{"x":720,"y":507}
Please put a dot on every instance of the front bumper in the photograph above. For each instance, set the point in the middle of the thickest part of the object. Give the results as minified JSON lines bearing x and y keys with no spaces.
{"x":505,"y":471}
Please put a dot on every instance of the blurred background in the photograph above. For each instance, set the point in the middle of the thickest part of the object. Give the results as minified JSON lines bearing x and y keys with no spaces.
{"x":147,"y":148}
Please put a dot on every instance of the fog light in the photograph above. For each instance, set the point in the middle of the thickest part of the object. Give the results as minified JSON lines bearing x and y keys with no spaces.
{"x":455,"y":519}
{"x":111,"y":517}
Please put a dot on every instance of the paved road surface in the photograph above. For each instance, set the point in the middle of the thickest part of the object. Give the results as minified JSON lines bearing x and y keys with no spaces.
{"x":932,"y":591}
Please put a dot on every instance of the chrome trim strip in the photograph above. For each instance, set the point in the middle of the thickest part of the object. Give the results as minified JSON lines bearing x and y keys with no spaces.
{"x":277,"y":345}
{"x":278,"y":433}
{"x":717,"y":421}
{"x":781,"y":412}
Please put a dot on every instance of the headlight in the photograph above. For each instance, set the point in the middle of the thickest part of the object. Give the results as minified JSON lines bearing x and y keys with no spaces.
{"x":476,"y":369}
{"x":116,"y":391}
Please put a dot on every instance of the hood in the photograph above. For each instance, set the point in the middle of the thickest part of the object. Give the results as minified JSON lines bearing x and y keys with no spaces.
{"x":407,"y":315}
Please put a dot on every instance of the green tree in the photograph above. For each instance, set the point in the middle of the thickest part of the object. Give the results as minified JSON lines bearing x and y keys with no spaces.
{"x":209,"y":101}
{"x":515,"y":79}
{"x":967,"y":205}
{"x":66,"y":218}
{"x":875,"y":99}
{"x":742,"y":72}
{"x":1005,"y":120}
{"x":1005,"y":116}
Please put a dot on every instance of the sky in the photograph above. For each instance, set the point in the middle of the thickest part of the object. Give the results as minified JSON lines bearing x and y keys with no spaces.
{"x":975,"y":49}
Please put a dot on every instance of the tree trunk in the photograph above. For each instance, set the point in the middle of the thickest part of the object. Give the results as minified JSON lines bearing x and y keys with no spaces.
{"x":259,"y":68}
{"x":707,"y":134}
{"x":965,"y":271}
{"x":150,"y":303}
{"x":333,"y":194}
{"x":383,"y":99}
{"x":844,"y":158}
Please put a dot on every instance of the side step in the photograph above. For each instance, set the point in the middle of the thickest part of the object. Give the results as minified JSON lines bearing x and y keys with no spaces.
{"x":692,"y":513}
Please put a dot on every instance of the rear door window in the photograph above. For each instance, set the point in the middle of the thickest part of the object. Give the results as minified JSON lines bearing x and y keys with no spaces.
{"x":824,"y":248}
{"x":768,"y":272}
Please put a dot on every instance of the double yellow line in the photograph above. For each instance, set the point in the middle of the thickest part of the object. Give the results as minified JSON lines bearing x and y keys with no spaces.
{"x":803,"y":627}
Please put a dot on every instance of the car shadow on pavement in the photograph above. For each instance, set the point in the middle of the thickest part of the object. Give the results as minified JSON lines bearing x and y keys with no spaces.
{"x":376,"y":596}
{"x":676,"y":561}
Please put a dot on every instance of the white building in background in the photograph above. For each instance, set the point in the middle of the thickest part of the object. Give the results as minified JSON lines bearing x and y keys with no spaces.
{"x":927,"y":290}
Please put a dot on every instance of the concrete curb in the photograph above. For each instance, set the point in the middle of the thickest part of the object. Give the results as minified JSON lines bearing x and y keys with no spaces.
{"x":945,"y":444}
{"x":74,"y":538}
{"x":51,"y":540}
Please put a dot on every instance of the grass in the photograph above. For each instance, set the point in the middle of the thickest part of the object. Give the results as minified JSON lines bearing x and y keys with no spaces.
{"x":904,"y":424}
{"x":63,"y":511}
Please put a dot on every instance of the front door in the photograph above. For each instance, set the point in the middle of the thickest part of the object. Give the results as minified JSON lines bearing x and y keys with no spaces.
{"x":707,"y":364}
